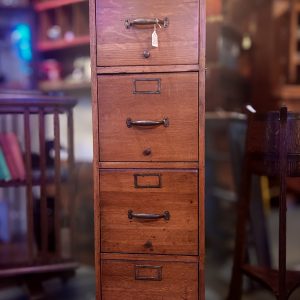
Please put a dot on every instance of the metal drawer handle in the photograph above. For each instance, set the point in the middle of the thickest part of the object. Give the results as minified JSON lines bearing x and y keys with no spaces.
{"x":132,"y":215}
{"x":130,"y":123}
{"x":131,"y":23}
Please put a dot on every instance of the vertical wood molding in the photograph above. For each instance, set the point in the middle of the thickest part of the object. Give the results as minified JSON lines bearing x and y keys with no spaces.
{"x":97,"y":232}
{"x":202,"y":66}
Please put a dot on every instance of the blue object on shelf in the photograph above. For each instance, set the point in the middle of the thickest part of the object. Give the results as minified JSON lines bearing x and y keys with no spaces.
{"x":4,"y":222}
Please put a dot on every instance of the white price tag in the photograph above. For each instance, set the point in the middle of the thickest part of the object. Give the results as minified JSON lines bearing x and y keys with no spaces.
{"x":154,"y":39}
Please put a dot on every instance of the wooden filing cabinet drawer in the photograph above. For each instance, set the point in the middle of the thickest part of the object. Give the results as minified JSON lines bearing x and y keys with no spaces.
{"x":122,"y":45}
{"x":169,"y":99}
{"x":149,"y":211}
{"x":149,"y":280}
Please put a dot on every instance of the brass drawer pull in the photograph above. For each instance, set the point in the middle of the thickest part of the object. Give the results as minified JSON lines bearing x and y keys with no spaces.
{"x":132,"y":215}
{"x":131,"y":23}
{"x":142,"y":123}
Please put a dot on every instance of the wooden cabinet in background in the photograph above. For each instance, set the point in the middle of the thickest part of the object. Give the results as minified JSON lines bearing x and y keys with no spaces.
{"x":148,"y":117}
{"x":62,"y":45}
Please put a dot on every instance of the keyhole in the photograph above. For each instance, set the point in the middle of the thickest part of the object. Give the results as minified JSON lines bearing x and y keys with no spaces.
{"x":147,"y":152}
{"x":146,"y":53}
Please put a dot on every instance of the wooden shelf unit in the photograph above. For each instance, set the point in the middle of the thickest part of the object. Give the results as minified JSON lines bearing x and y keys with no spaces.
{"x":49,"y":86}
{"x":294,"y":60}
{"x":52,"y":4}
{"x":62,"y":37}
{"x":62,"y":44}
{"x":45,"y":253}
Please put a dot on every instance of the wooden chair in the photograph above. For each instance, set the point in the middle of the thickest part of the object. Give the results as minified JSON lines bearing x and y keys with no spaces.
{"x":272,"y":148}
{"x":230,"y":128}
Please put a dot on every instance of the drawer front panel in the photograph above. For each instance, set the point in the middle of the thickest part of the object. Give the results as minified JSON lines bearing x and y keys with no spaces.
{"x":169,"y":105}
{"x":121,"y":41}
{"x":157,"y":216}
{"x":149,"y":280}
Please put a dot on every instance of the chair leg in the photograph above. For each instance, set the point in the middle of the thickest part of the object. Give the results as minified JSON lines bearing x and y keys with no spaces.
{"x":35,"y":290}
{"x":235,"y":289}
{"x":258,"y":226}
{"x":282,"y":205}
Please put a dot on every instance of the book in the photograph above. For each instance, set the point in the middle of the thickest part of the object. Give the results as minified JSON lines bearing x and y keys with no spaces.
{"x":4,"y":171}
{"x":17,"y":154}
{"x":13,"y":155}
{"x":4,"y":222}
{"x":8,"y":156}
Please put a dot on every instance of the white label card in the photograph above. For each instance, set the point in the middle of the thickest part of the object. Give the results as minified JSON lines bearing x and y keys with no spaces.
{"x":154,"y":39}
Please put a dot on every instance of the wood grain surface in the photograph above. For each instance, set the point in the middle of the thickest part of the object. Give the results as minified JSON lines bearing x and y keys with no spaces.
{"x":147,"y":69}
{"x":178,"y":195}
{"x":178,"y":101}
{"x":202,"y":63}
{"x":152,"y":257}
{"x":179,"y":281}
{"x":149,"y":165}
{"x":118,"y":46}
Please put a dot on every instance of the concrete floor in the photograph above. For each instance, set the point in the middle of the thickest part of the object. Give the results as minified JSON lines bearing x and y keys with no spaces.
{"x":81,"y":287}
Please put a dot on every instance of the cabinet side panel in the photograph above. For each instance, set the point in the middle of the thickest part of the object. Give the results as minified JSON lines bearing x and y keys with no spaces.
{"x":93,"y":42}
{"x":202,"y":48}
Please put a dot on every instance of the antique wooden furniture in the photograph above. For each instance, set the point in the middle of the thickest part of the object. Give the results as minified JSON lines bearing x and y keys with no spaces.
{"x":294,"y":61}
{"x":43,"y":250}
{"x":62,"y":37}
{"x":272,"y":148}
{"x":148,"y":116}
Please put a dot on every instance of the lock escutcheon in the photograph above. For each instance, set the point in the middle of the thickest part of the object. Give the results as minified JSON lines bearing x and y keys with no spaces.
{"x":146,"y":53}
{"x":147,"y":151}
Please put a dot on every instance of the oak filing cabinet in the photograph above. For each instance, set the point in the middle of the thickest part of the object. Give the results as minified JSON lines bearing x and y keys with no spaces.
{"x":148,"y":65}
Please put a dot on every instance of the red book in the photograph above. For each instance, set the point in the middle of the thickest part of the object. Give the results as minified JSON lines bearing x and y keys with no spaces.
{"x":17,"y":154}
{"x":13,"y":155}
{"x":8,"y":156}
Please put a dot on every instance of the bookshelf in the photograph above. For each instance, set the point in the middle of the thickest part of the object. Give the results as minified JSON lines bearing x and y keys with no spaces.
{"x":62,"y":44}
{"x":52,"y":4}
{"x":294,"y":55}
{"x":63,"y":86}
{"x":286,"y":89}
{"x":46,"y":239}
{"x":16,"y":59}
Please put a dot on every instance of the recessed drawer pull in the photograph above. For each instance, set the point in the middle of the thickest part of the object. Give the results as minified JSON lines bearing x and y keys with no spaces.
{"x":132,"y":215}
{"x":143,"y":123}
{"x":147,"y":181}
{"x":154,"y":85}
{"x":130,"y":23}
{"x":143,"y":272}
